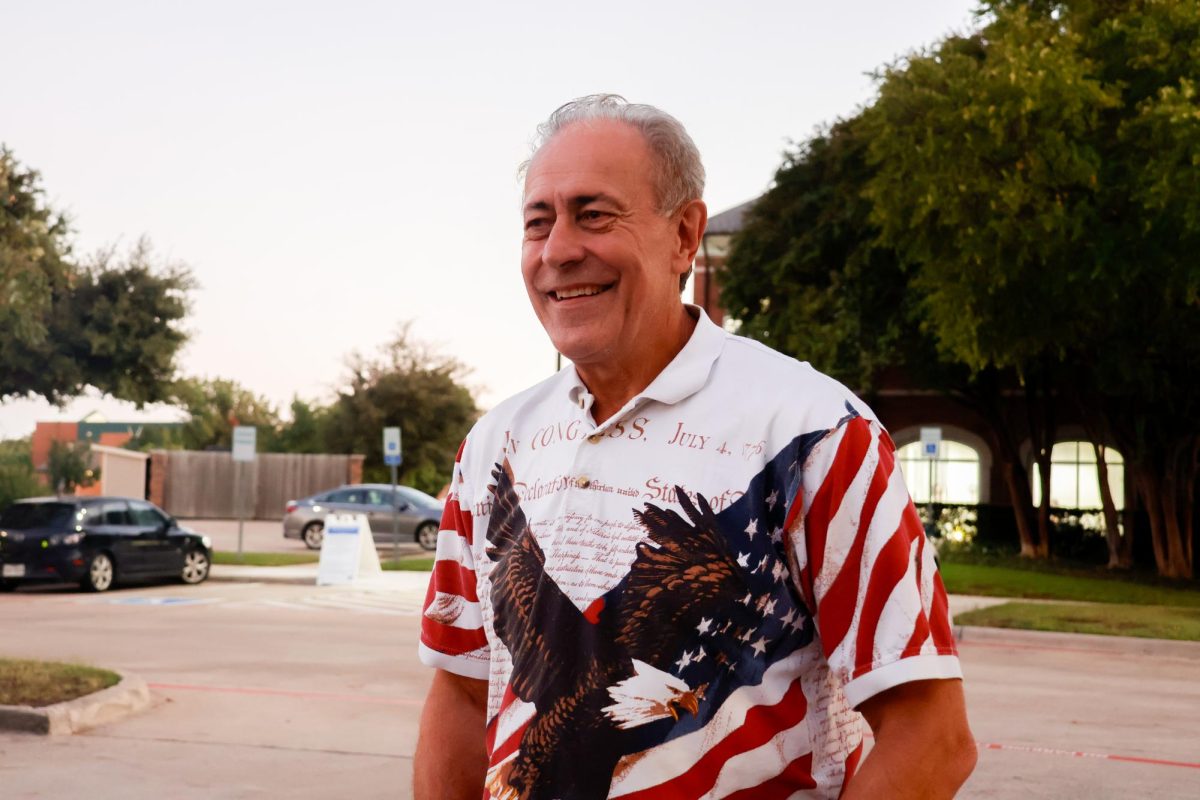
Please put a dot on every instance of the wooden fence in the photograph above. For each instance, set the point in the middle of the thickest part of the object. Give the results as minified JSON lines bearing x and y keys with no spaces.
{"x":211,"y":485}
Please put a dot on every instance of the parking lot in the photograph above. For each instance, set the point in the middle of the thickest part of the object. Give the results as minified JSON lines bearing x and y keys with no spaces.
{"x":271,"y":690}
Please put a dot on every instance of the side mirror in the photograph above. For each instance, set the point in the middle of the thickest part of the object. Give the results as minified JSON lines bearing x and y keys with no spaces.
{"x":403,"y":505}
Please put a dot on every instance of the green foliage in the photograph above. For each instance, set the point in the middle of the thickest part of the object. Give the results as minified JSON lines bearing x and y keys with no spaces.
{"x":306,"y":432}
{"x":17,"y":478}
{"x":111,"y":323}
{"x":216,"y":407}
{"x":410,"y":386}
{"x":70,"y":466}
{"x":806,"y":274}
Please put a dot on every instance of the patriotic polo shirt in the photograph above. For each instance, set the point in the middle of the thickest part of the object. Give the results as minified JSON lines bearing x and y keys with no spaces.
{"x":688,"y":599}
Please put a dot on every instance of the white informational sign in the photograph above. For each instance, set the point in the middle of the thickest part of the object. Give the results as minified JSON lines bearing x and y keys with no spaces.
{"x":244,"y":438}
{"x":348,"y":551}
{"x":931,"y":442}
{"x":391,"y":447}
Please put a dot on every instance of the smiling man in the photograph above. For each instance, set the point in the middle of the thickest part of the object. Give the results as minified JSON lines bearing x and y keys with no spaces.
{"x":686,"y":566}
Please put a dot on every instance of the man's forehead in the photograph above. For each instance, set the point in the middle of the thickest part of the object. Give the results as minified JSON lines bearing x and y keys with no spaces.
{"x":605,"y":158}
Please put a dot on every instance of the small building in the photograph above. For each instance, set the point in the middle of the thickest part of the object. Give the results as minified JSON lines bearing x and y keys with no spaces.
{"x":122,"y":472}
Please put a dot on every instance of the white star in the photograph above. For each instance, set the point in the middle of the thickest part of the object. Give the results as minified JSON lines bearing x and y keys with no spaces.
{"x":762,"y":565}
{"x":743,"y":559}
{"x":770,"y":607}
{"x":778,"y":571}
{"x":748,"y":599}
{"x":772,"y":499}
{"x":789,"y":616}
{"x":752,"y":528}
{"x":762,"y":603}
{"x":760,"y":646}
{"x":745,"y":637}
{"x":684,"y":660}
{"x":705,"y":625}
{"x":777,"y":535}
{"x":700,"y":654}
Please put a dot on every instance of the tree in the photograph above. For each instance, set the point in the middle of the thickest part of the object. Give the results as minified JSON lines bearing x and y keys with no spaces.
{"x":807,"y":276}
{"x":112,"y":322}
{"x":17,"y":478}
{"x":216,"y":407}
{"x":70,"y":466}
{"x":1041,"y":177}
{"x":410,"y":386}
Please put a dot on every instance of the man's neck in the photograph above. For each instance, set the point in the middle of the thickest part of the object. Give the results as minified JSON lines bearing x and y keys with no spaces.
{"x":613,"y":385}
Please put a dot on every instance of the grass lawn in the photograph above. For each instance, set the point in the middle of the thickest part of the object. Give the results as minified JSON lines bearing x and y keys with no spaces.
{"x":44,"y":683}
{"x":416,"y":564}
{"x":266,"y":559}
{"x":1157,"y":622}
{"x":1001,"y":581}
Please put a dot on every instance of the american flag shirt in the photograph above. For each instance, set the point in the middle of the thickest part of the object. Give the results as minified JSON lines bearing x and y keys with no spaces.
{"x":689,"y":599}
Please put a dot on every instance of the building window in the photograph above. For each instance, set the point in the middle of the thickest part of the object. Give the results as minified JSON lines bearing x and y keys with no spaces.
{"x":952,"y":477}
{"x":1075,"y":477}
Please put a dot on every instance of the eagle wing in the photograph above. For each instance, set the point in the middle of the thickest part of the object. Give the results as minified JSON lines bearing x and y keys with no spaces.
{"x":536,"y":621}
{"x":684,"y":572}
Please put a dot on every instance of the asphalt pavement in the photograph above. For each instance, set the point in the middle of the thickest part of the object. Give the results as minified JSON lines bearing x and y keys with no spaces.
{"x":272,"y":689}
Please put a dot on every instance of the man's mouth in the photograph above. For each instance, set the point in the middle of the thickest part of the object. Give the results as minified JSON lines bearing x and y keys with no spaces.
{"x":579,"y":291}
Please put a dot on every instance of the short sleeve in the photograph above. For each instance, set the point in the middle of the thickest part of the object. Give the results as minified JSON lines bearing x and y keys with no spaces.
{"x":866,"y":570}
{"x":452,"y":636}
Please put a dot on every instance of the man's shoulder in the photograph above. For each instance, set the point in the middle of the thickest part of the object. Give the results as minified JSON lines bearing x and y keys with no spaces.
{"x":490,"y":429}
{"x":780,"y":378}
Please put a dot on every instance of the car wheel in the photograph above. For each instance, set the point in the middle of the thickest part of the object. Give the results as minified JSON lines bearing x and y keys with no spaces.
{"x":195,"y":567}
{"x":313,"y":534}
{"x":100,"y":573}
{"x":427,"y":535}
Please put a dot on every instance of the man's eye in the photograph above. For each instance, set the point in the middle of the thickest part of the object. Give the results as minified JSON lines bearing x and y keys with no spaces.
{"x":592,"y":216}
{"x":534,"y":225}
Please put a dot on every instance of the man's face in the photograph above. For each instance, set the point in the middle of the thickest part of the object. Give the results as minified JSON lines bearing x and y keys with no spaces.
{"x":601,"y":265}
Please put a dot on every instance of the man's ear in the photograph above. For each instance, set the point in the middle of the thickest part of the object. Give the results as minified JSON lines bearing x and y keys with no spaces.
{"x":691,"y":221}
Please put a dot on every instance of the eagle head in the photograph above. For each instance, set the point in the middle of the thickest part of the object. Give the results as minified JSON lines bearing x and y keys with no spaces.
{"x":650,"y":695}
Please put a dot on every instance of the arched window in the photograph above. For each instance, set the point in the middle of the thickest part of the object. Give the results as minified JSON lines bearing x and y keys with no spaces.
{"x":952,"y":477}
{"x":1075,"y":476}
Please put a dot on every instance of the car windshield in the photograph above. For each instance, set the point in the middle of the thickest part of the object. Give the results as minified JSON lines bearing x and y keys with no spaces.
{"x":417,"y":497}
{"x":23,"y":516}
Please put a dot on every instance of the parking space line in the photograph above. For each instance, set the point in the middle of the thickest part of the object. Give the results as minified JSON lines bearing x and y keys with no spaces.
{"x":1053,"y":751}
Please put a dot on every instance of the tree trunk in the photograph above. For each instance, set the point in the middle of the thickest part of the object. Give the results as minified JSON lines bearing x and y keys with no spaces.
{"x":1017,"y":480}
{"x":1112,"y":525}
{"x":1039,"y":404}
{"x":1174,"y":494}
{"x":1152,"y":498}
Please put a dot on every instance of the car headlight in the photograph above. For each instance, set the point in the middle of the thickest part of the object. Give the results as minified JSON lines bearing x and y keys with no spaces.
{"x":207,"y":542}
{"x":66,"y":539}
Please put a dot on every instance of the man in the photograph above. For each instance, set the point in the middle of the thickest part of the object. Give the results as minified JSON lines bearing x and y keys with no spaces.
{"x":683,"y":566}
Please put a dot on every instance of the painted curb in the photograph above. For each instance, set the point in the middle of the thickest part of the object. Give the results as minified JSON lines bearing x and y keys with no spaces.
{"x":1126,"y":645}
{"x":128,"y":697}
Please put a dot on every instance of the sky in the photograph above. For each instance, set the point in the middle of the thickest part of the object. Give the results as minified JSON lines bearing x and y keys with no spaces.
{"x":330,"y":171}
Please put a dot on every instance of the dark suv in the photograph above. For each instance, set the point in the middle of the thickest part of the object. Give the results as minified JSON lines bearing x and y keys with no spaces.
{"x":96,"y":541}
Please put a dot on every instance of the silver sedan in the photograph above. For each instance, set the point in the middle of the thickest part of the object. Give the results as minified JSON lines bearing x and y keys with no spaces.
{"x":412,"y":513}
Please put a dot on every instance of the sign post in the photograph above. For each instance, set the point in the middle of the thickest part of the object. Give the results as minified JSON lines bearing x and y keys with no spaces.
{"x":393,"y":458}
{"x":931,"y":445}
{"x":244,"y":445}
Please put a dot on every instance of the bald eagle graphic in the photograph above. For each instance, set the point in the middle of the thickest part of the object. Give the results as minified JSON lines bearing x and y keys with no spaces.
{"x":602,"y":683}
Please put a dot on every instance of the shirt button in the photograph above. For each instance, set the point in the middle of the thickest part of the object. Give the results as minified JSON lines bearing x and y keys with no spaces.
{"x":582,"y":482}
{"x":595,"y":437}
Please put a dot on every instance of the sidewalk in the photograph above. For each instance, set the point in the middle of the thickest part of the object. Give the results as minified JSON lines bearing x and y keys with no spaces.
{"x":306,"y":575}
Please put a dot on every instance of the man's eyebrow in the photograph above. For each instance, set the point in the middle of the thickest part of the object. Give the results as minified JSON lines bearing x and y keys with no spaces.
{"x":576,"y":201}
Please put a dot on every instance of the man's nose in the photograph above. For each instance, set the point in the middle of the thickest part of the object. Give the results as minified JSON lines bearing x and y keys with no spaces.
{"x":564,"y":246}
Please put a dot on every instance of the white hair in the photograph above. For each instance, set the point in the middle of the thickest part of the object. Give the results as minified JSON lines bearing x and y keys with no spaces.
{"x":679,"y":174}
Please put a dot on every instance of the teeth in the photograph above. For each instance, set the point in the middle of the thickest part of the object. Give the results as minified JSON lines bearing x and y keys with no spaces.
{"x":584,"y":291}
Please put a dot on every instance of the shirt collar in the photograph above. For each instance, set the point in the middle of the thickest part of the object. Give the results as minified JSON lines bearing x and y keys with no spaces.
{"x":685,"y":375}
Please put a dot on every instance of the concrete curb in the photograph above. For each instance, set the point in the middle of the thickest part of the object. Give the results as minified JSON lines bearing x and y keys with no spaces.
{"x":1125,"y":645}
{"x":128,"y":697}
